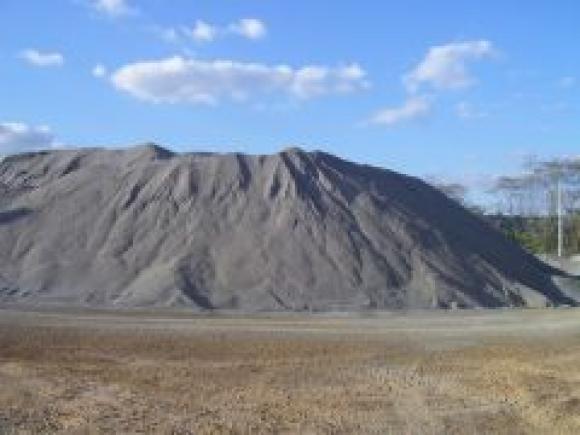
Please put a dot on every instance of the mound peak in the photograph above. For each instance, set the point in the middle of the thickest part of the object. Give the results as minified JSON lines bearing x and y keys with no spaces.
{"x":151,"y":151}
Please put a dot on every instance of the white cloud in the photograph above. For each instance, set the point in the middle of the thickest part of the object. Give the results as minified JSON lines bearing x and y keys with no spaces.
{"x":113,"y":8}
{"x":17,"y":137}
{"x":251,"y":28}
{"x":465,"y":110}
{"x":567,"y":82}
{"x":309,"y":81}
{"x":181,"y":80}
{"x":445,"y":66}
{"x":413,"y":108}
{"x":204,"y":32}
{"x":40,"y":59}
{"x":99,"y":71}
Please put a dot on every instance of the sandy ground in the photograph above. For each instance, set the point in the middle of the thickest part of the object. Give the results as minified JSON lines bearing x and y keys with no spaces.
{"x":458,"y":372}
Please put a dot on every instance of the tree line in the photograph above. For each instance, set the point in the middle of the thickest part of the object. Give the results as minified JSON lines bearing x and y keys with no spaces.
{"x":538,"y":208}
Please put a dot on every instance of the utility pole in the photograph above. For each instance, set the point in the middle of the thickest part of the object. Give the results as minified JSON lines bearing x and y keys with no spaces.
{"x":560,"y":229}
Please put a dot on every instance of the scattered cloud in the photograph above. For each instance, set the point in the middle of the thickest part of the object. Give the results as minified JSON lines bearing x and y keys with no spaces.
{"x":465,"y":110}
{"x":42,"y":59}
{"x":16,"y":137}
{"x":113,"y":8}
{"x":204,"y":32}
{"x":251,"y":28}
{"x":183,"y":80}
{"x":99,"y":71}
{"x":445,"y":66}
{"x":413,"y":108}
{"x":567,"y":82}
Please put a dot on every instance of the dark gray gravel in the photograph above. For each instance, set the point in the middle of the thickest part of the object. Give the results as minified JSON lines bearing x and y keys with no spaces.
{"x":144,"y":227}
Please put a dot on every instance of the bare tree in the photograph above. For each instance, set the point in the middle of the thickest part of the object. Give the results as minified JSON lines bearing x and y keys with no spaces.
{"x":562,"y":175}
{"x":544,"y":189}
{"x":455,"y":191}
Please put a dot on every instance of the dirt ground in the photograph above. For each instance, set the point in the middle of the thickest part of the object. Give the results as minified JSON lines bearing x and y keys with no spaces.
{"x":459,"y":372}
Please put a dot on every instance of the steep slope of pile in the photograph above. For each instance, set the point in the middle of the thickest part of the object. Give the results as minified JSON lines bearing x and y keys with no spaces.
{"x":290,"y":231}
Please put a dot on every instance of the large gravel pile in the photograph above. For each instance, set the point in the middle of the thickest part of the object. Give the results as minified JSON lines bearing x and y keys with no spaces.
{"x":291,"y":231}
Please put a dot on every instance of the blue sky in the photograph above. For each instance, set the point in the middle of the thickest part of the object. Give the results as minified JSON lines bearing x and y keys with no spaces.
{"x":462,"y":90}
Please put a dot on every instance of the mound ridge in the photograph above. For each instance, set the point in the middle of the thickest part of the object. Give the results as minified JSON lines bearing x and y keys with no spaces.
{"x":295,"y":230}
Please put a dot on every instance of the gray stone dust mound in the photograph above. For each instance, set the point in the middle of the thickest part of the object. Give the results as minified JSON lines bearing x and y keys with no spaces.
{"x":144,"y":227}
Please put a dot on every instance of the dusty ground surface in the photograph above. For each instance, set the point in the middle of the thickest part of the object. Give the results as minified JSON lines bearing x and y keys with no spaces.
{"x":457,"y":372}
